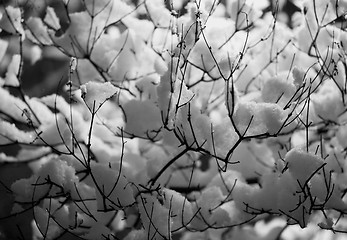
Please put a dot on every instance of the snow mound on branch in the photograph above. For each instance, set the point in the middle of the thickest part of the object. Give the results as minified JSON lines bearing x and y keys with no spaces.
{"x":288,"y":192}
{"x":172,"y":93}
{"x":155,"y":217}
{"x":38,"y":31}
{"x":259,"y":118}
{"x":253,"y":159}
{"x":113,"y":191}
{"x":11,"y":134}
{"x":95,"y":94}
{"x":54,"y":172}
{"x":277,"y":90}
{"x":180,"y":207}
{"x":11,"y":21}
{"x":51,"y":19}
{"x":3,"y":48}
{"x":143,"y":118}
{"x":15,"y":107}
{"x":298,"y":75}
{"x":242,"y":13}
{"x":302,"y":164}
{"x":328,"y":103}
{"x":136,"y":234}
{"x":227,"y":182}
{"x":209,"y":210}
{"x":159,"y":14}
{"x":194,"y":128}
{"x":224,"y":138}
{"x":12,"y":71}
{"x":98,"y":15}
{"x":48,"y":229}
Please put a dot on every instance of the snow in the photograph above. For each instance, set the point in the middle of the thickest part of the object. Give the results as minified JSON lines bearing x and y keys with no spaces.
{"x":11,"y":21}
{"x":12,"y":71}
{"x":143,"y":118}
{"x":208,"y":208}
{"x":277,"y":90}
{"x":158,"y":13}
{"x":3,"y":48}
{"x":204,"y":88}
{"x":11,"y":134}
{"x":259,"y":118}
{"x":95,"y":94}
{"x":180,"y":208}
{"x":38,"y":31}
{"x":155,"y":217}
{"x":51,"y":19}
{"x":193,"y":127}
{"x":12,"y":106}
{"x":302,"y":164}
{"x":113,"y":191}
{"x":53,"y":173}
{"x":298,"y":75}
{"x":327,"y":101}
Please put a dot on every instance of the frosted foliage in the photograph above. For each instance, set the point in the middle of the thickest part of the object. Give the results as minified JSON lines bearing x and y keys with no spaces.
{"x":55,"y":173}
{"x":98,"y":231}
{"x":254,"y":159}
{"x":181,"y":119}
{"x":11,"y":20}
{"x":3,"y":48}
{"x":172,"y":94}
{"x":57,"y":132}
{"x":159,"y":14}
{"x":194,"y":128}
{"x":147,"y":87}
{"x":12,"y":106}
{"x":46,"y":227}
{"x":38,"y":32}
{"x":325,"y":192}
{"x":80,"y":33}
{"x":281,"y":192}
{"x":302,"y":164}
{"x":107,"y":11}
{"x":180,"y":207}
{"x":225,"y":138}
{"x":257,"y":118}
{"x":95,"y":94}
{"x":201,"y":56}
{"x":36,"y":54}
{"x":227,"y":181}
{"x":51,"y":19}
{"x":10,"y":133}
{"x":136,"y":235}
{"x":298,"y":75}
{"x":59,"y":103}
{"x":277,"y":90}
{"x":326,"y":102}
{"x":112,"y":188}
{"x":49,"y":227}
{"x":85,"y":71}
{"x":142,"y":118}
{"x":210,"y":213}
{"x":339,"y":72}
{"x":23,"y":190}
{"x":235,"y":7}
{"x":143,"y":28}
{"x":155,"y":217}
{"x":96,"y":7}
{"x":123,"y":67}
{"x":12,"y":71}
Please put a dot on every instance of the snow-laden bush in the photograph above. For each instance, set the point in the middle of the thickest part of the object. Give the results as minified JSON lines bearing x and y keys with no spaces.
{"x":199,"y":119}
